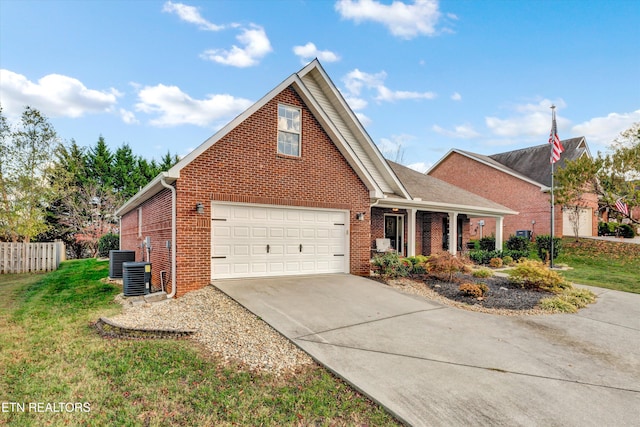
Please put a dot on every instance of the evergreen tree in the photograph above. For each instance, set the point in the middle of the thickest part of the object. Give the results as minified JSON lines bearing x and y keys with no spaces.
{"x":167,"y":162}
{"x":124,"y":173}
{"x":100,"y":163}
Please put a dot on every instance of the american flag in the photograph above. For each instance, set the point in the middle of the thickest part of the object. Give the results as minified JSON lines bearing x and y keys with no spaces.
{"x":554,"y":140}
{"x":622,"y":207}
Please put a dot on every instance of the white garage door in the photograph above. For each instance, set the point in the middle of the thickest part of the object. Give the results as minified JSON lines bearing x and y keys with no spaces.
{"x":254,"y":241}
{"x":582,"y":217}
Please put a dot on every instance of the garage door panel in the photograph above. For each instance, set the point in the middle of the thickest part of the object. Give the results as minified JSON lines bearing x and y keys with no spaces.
{"x":300,"y":241}
{"x":240,"y":232}
{"x":259,"y":232}
{"x":277,"y":232}
{"x":240,"y":250}
{"x":276,"y":250}
{"x":322,"y":233}
{"x":293,"y":233}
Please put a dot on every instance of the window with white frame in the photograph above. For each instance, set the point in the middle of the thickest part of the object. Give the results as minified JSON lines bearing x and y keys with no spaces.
{"x":139,"y":222}
{"x":288,"y":130}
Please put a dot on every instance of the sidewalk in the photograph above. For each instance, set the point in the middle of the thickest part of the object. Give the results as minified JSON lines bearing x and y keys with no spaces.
{"x":635,"y":240}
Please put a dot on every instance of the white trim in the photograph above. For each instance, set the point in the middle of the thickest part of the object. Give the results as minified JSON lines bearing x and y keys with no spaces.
{"x":453,"y":232}
{"x":298,"y":133}
{"x":443,"y":207}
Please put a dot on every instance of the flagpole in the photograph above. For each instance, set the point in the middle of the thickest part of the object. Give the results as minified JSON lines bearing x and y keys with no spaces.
{"x":553,"y":115}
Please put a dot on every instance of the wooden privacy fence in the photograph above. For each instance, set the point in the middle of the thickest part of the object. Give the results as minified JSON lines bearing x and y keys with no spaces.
{"x":30,"y":257}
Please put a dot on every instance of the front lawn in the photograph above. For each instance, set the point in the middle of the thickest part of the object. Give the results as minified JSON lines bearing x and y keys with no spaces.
{"x":602,"y":263}
{"x":62,"y":373}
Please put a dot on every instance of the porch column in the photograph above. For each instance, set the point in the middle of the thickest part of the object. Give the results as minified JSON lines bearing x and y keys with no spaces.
{"x":499,"y":227}
{"x":411,"y":231}
{"x":453,"y":232}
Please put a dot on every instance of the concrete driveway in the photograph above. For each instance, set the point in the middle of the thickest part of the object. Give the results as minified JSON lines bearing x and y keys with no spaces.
{"x":436,"y":365}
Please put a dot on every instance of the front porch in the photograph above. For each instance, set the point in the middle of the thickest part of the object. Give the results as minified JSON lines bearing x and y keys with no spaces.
{"x":415,"y":231}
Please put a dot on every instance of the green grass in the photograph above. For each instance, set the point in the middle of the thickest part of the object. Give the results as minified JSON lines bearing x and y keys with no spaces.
{"x":601,"y":263}
{"x":49,"y":353}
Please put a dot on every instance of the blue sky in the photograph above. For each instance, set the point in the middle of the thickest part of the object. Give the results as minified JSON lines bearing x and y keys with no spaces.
{"x":423,"y":76}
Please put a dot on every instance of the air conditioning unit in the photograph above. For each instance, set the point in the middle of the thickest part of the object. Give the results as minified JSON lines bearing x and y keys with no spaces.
{"x":136,"y":278}
{"x":116,"y":258}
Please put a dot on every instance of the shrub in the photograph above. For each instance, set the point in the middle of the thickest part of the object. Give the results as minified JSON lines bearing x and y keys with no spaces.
{"x":517,"y":243}
{"x":444,"y":265}
{"x":475,"y":290}
{"x":607,"y":228}
{"x":389,"y":265}
{"x":531,"y":274}
{"x":569,"y":301}
{"x":625,"y":230}
{"x":487,"y":243}
{"x":495,"y":262}
{"x":557,"y":304}
{"x":543,"y":243}
{"x":507,"y":260}
{"x":108,"y":242}
{"x":418,"y":264}
{"x":482,"y":272}
{"x":483,"y":257}
{"x":514,"y":255}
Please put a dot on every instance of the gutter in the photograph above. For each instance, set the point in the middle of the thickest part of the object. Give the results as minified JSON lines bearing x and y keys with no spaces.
{"x":174,"y":285}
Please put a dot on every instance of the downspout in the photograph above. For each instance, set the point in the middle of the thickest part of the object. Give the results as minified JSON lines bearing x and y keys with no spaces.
{"x":174,"y":285}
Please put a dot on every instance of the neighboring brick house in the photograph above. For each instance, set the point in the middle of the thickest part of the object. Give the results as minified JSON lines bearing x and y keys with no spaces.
{"x":294,"y":185}
{"x":520,"y":180}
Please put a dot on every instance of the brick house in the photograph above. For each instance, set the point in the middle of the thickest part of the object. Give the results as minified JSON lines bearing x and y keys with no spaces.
{"x":520,"y":180}
{"x":294,"y":185}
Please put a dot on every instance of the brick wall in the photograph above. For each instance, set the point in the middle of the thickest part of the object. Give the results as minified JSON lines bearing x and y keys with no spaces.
{"x":156,"y":224}
{"x":531,"y":203}
{"x":244,"y":167}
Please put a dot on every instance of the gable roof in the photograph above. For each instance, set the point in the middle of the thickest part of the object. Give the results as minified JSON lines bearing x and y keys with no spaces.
{"x":438,"y":194}
{"x":533,"y":162}
{"x":329,"y":107}
{"x":529,"y":164}
{"x":337,"y":119}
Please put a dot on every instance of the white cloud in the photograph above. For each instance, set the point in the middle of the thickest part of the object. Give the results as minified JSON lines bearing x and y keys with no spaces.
{"x":393,"y":148}
{"x":456,"y":96}
{"x":128,"y":117}
{"x":310,"y":51}
{"x":356,"y":80}
{"x":465,"y":131}
{"x":191,"y":15}
{"x":603,"y":130}
{"x":54,"y":95}
{"x":255,"y":46}
{"x":421,"y":167}
{"x":532,"y":119}
{"x":356,"y":103}
{"x":385,"y":94}
{"x":365,"y":120}
{"x":175,"y":107}
{"x":403,"y":20}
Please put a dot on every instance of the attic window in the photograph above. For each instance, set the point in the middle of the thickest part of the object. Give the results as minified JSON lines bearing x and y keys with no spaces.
{"x":288,"y":130}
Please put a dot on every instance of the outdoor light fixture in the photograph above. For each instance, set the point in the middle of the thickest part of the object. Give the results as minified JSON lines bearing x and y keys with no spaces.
{"x":395,"y":209}
{"x":360,"y":216}
{"x":199,"y":208}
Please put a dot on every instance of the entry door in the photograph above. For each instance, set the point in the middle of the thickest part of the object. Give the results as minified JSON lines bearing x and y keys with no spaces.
{"x":394,"y":231}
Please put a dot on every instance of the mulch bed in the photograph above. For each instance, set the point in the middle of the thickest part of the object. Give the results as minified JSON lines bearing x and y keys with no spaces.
{"x":501,"y":295}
